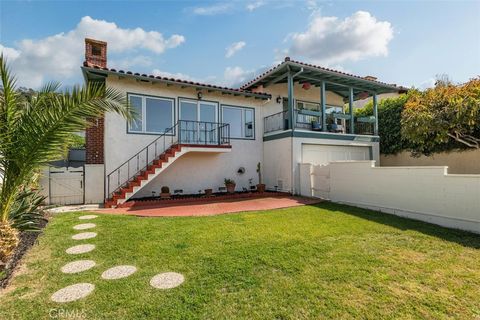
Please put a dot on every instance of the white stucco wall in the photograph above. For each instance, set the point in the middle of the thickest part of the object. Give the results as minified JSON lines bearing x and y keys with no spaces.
{"x":424,"y":193}
{"x":94,"y":174}
{"x":277,"y":159}
{"x":191,"y":172}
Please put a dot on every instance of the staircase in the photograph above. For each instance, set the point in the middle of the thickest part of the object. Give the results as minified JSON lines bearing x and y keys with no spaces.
{"x":185,"y":136}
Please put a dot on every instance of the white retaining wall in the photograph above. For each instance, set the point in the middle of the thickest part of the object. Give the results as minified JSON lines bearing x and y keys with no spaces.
{"x":424,"y":193}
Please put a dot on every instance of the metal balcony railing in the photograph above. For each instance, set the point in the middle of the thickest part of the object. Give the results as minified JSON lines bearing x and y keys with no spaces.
{"x":183,"y":132}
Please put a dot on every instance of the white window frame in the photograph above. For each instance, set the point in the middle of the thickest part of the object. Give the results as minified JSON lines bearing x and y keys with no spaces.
{"x":243,"y":117}
{"x":144,"y":114}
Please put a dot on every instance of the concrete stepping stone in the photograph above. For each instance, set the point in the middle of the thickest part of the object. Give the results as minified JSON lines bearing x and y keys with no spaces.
{"x":88,"y":217}
{"x":84,"y":226}
{"x":167,"y":280}
{"x":118,"y":272}
{"x":73,"y":292}
{"x":84,"y":235}
{"x":81,"y":248}
{"x":78,"y":266}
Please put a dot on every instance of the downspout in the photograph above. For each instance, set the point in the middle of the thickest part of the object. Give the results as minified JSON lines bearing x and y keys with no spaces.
{"x":291,"y":105}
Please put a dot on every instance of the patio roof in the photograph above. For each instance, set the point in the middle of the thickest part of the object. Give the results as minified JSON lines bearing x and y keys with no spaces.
{"x":336,"y":81}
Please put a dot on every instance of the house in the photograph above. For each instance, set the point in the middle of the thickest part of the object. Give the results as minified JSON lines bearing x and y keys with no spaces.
{"x":189,"y":136}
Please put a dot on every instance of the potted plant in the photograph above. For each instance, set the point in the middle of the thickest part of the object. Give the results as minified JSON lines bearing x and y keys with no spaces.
{"x":165,"y":193}
{"x":260,"y":185}
{"x":208,"y":192}
{"x":230,"y":185}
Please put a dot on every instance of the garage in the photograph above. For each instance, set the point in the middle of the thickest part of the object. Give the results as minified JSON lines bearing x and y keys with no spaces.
{"x":323,"y":154}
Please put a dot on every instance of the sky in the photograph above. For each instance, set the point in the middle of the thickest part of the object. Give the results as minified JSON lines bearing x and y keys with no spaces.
{"x":229,"y":42}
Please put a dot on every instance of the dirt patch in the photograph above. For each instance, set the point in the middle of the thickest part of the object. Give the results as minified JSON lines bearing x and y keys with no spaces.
{"x":27,"y":240}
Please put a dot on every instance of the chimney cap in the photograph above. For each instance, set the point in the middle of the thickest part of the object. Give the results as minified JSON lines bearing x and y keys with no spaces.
{"x":287,"y":59}
{"x":371,"y":78}
{"x":90,"y":40}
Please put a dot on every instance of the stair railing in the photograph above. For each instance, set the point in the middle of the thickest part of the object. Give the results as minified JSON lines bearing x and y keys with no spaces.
{"x":183,"y":132}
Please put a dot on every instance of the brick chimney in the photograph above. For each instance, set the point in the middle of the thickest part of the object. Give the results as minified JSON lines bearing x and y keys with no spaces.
{"x":95,"y":53}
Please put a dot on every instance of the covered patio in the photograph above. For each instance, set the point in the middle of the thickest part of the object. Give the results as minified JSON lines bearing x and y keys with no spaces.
{"x":318,"y":115}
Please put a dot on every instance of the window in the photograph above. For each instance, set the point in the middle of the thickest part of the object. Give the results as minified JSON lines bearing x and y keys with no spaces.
{"x":154,"y":115}
{"x":241,"y":121}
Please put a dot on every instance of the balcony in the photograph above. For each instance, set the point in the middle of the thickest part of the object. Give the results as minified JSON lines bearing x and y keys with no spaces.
{"x":336,"y":122}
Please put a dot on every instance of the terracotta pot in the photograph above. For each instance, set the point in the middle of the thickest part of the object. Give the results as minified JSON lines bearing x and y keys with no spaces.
{"x":165,"y":195}
{"x":230,"y":187}
{"x":208,"y":192}
{"x":261,"y":187}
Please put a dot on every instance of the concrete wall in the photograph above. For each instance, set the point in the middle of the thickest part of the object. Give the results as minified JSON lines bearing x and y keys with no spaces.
{"x":94,"y":192}
{"x":423,"y":193}
{"x":277,"y":159}
{"x":298,"y":156}
{"x":458,"y":162}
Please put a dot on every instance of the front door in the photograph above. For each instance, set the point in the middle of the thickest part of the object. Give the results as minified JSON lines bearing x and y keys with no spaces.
{"x":198,"y":123}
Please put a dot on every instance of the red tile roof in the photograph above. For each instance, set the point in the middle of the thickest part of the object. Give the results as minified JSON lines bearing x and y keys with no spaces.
{"x":289,"y":61}
{"x":180,"y":81}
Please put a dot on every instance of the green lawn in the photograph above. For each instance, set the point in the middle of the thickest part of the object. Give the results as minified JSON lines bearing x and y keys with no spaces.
{"x":322,"y":261}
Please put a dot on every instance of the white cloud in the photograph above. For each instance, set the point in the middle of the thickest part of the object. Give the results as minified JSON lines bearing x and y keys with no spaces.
{"x":236,"y":76}
{"x":137,"y":61}
{"x":183,"y":76}
{"x":60,"y":56}
{"x":9,"y":53}
{"x":234,"y":48}
{"x":254,"y":5}
{"x":429,"y":83}
{"x":215,"y":9}
{"x":330,"y":40}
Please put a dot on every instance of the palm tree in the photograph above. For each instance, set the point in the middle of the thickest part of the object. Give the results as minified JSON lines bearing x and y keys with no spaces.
{"x":33,"y":131}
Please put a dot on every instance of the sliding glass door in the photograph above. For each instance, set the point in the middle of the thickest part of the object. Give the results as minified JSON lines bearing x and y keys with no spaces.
{"x":199,"y":125}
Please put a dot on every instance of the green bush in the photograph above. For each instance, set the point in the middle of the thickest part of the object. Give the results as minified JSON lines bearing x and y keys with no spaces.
{"x":389,"y":123}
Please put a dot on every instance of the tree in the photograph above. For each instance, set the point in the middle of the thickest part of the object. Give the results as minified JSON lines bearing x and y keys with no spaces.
{"x":34,"y":129}
{"x":443,"y":114}
{"x":389,"y":122}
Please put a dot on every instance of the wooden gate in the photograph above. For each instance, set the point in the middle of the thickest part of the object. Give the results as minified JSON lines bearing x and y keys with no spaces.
{"x":66,"y":185}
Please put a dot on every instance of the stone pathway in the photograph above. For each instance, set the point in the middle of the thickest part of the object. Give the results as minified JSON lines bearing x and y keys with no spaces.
{"x":84,"y":235}
{"x":84,"y":226}
{"x":167,"y":280}
{"x":118,"y":272}
{"x":78,"y":266}
{"x":73,"y":292}
{"x":81,"y":248}
{"x":88,"y":217}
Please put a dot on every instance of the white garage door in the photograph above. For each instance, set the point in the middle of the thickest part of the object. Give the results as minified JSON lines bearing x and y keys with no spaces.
{"x":323,"y":154}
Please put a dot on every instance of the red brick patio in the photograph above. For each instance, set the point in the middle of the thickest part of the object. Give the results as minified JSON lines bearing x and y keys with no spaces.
{"x":214,"y":207}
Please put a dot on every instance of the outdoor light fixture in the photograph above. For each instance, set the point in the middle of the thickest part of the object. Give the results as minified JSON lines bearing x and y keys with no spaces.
{"x":279,"y":99}
{"x":199,"y":95}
